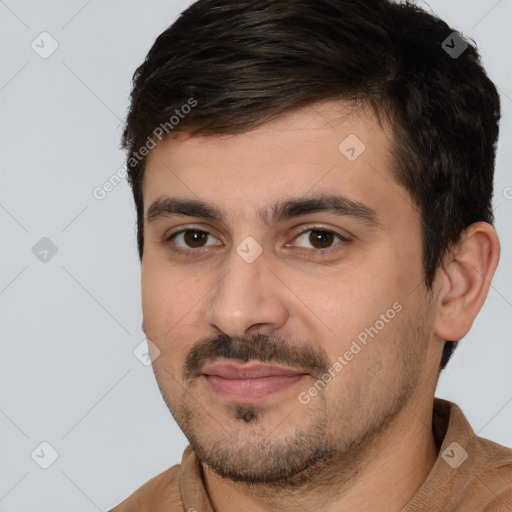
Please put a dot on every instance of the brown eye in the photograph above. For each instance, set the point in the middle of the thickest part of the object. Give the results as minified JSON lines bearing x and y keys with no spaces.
{"x":194,"y":239}
{"x":189,"y":239}
{"x":323,"y":238}
{"x":320,"y":238}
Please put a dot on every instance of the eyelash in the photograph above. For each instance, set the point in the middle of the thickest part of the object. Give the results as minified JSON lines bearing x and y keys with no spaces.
{"x":198,"y":252}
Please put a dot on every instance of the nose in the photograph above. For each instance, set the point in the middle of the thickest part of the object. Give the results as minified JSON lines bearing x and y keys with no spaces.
{"x":249,"y":297}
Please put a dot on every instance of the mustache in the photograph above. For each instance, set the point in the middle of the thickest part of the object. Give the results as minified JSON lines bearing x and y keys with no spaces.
{"x":257,"y":347}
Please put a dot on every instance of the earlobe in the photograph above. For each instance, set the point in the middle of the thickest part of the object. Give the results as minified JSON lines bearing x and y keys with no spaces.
{"x":464,"y":280}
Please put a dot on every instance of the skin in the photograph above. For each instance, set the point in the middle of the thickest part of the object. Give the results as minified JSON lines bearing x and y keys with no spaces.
{"x":369,"y":429}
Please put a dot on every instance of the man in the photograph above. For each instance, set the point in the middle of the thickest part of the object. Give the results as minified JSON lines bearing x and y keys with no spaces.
{"x":313,"y":182}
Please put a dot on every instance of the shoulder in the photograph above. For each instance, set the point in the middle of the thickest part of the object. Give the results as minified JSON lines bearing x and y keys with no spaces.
{"x":496,"y":475}
{"x":161,"y":493}
{"x":471,"y":474}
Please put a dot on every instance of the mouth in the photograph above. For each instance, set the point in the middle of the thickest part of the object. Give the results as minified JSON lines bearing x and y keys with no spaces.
{"x":251,"y":381}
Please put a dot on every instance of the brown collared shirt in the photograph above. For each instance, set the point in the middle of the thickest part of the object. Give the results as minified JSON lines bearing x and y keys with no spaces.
{"x":471,"y":474}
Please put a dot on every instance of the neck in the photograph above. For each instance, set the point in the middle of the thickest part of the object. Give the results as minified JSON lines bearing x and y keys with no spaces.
{"x":400,"y":458}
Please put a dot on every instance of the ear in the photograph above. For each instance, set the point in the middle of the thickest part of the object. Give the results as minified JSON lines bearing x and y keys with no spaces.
{"x":464,"y":280}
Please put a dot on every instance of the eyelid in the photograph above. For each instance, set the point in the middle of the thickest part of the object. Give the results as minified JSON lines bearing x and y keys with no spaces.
{"x":318,"y":227}
{"x":193,"y":227}
{"x":207,"y":229}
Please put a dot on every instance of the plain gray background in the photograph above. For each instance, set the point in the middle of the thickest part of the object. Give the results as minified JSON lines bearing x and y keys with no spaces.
{"x":70,"y":324}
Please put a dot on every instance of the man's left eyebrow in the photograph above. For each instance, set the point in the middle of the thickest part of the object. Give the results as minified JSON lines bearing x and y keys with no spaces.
{"x":291,"y":208}
{"x":335,"y":204}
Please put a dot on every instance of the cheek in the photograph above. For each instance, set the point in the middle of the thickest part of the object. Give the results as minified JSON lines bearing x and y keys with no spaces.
{"x":350,"y":300}
{"x":156,"y":298}
{"x":356,"y":306}
{"x":171,"y":311}
{"x":165,"y":293}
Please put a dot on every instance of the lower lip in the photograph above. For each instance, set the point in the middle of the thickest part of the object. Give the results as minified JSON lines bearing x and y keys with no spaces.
{"x":251,"y":389}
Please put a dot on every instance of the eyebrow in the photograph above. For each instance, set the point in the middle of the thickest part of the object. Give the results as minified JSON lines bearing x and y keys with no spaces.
{"x":165,"y":207}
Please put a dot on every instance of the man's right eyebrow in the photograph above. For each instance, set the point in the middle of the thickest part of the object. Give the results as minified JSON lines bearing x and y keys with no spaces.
{"x":171,"y":206}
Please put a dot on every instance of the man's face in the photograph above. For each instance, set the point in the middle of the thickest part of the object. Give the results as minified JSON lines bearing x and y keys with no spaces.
{"x":286,"y":340}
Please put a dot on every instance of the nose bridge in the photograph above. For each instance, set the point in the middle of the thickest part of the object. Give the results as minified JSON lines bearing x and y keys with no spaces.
{"x":246,"y":293}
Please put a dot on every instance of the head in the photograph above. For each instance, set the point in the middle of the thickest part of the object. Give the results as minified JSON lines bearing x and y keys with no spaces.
{"x":243,"y":106}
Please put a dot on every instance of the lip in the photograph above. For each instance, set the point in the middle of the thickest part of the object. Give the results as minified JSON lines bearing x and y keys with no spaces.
{"x":250,"y":382}
{"x":250,"y":370}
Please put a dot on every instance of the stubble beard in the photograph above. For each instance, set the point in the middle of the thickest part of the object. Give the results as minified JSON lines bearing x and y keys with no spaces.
{"x":315,"y":455}
{"x":325,"y":449}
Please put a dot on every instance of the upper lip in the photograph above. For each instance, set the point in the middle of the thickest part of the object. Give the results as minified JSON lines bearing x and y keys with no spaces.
{"x":249,"y":370}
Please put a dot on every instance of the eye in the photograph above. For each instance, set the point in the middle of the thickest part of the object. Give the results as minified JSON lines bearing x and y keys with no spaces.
{"x":192,"y":238}
{"x":321,"y":239}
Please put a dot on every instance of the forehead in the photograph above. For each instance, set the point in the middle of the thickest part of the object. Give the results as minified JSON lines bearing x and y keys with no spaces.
{"x":324,"y":148}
